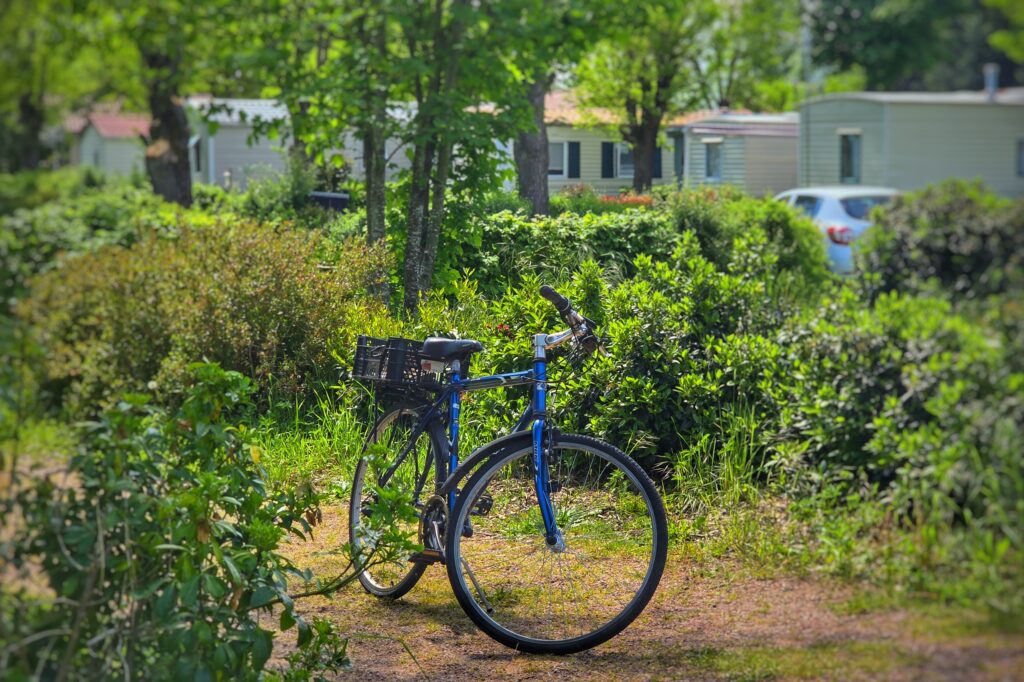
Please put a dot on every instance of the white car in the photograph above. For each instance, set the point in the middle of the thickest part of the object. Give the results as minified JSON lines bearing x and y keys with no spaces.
{"x":841,"y":213}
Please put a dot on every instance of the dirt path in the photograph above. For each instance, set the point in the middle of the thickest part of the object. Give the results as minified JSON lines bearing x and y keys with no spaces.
{"x":703,"y":624}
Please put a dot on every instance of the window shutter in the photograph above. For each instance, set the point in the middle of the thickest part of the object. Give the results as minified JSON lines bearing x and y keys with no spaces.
{"x":607,"y":159}
{"x":574,"y":159}
{"x":656,"y":163}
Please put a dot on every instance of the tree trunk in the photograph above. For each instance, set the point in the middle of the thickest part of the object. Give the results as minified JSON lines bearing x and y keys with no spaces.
{"x":374,"y":162}
{"x":435,"y":217}
{"x":30,"y":121}
{"x":645,"y":142}
{"x":419,"y":199}
{"x":374,"y":37}
{"x":167,"y":160}
{"x":531,"y":152}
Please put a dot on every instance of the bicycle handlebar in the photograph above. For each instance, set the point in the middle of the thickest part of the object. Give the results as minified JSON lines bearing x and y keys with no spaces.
{"x":583,"y":330}
{"x":561,"y":303}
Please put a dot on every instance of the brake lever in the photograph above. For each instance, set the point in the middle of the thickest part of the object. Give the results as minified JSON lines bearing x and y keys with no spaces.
{"x":590,"y":339}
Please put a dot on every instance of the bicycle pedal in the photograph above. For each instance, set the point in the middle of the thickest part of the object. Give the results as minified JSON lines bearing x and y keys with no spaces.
{"x":427,"y":556}
{"x":482,"y":506}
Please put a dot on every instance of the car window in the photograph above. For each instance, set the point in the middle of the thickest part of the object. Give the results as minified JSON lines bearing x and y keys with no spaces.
{"x":809,"y":205}
{"x":858,"y":208}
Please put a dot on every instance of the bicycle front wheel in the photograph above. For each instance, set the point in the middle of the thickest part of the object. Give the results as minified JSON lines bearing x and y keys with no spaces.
{"x":539,"y":598}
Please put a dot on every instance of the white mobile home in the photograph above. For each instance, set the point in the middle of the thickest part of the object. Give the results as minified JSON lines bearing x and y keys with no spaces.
{"x":111,"y":142}
{"x":907,"y":140}
{"x":582,"y":151}
{"x":754,"y":152}
{"x":228,"y":156}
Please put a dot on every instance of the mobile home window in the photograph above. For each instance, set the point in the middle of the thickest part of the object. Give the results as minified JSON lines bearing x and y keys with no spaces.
{"x":849,"y":159}
{"x":713,"y":161}
{"x":556,"y":158}
{"x":624,"y":160}
{"x":197,"y":151}
{"x":1020,"y":158}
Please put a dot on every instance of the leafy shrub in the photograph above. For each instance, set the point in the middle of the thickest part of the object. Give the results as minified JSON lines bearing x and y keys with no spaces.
{"x":686,"y":340}
{"x":557,"y":245}
{"x":955,"y":236}
{"x":250,"y":297}
{"x":908,"y":405}
{"x":31,"y":240}
{"x":723,"y":219}
{"x":161,"y":551}
{"x":30,"y":189}
{"x":583,"y":199}
{"x":275,"y":197}
{"x":496,"y":202}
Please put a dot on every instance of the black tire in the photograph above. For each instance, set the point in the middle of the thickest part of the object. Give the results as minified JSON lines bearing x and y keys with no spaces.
{"x":457,"y":546}
{"x":392,"y":579}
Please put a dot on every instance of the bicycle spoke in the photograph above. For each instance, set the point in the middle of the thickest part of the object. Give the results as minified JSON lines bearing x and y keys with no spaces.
{"x":536,"y":593}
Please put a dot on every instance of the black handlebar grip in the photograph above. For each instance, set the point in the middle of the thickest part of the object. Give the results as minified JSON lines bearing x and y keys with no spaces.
{"x":560,"y":302}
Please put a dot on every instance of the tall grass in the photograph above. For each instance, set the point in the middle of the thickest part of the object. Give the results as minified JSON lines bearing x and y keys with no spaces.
{"x":719,"y":469}
{"x":319,"y":445}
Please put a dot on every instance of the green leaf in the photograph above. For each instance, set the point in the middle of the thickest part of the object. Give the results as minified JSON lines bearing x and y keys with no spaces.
{"x":214,"y":585}
{"x":190,"y":592}
{"x":305,"y":632}
{"x":287,"y":620}
{"x":229,"y":564}
{"x":262,"y":645}
{"x":263,"y":595}
{"x":165,"y":602}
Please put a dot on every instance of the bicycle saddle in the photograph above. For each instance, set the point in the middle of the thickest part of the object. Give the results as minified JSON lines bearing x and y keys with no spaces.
{"x":435,"y":348}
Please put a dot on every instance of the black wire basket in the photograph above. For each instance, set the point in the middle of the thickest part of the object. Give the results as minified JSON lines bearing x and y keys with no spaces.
{"x":393,"y":361}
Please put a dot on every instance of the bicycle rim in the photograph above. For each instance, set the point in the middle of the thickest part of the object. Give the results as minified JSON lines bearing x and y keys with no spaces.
{"x":530,"y":597}
{"x":389,"y":574}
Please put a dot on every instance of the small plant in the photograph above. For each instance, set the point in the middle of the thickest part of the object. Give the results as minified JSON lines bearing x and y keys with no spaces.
{"x":251,"y":297}
{"x":159,"y":556}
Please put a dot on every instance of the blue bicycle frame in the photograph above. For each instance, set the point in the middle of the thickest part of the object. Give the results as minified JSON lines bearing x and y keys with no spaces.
{"x":534,"y":417}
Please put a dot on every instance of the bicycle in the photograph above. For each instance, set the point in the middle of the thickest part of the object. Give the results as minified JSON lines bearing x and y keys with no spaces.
{"x":561,"y":539}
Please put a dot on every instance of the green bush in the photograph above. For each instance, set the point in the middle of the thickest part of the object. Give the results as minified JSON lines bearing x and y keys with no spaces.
{"x":722,"y":219}
{"x":555,"y":246}
{"x":30,"y":189}
{"x":908,"y":406}
{"x":686,"y":341}
{"x":250,"y":297}
{"x":31,"y":240}
{"x":733,"y":231}
{"x":582,"y":199}
{"x":162,"y":558}
{"x":276,"y":197}
{"x":956,"y":238}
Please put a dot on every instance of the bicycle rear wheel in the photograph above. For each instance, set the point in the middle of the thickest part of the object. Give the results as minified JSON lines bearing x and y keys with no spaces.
{"x":390,"y":574}
{"x":543,"y":599}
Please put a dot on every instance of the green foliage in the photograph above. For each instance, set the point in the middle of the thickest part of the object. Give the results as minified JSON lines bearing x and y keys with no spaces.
{"x":280,"y":197}
{"x":161,"y":551}
{"x":893,"y":40}
{"x":731,"y":226}
{"x":582,"y":199}
{"x":555,"y":246}
{"x":732,"y":230}
{"x":30,"y":189}
{"x":250,"y":297}
{"x":79,"y":222}
{"x":955,"y":238}
{"x":1009,"y":40}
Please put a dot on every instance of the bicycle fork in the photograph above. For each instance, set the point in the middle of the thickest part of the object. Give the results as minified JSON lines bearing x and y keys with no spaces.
{"x":542,"y":480}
